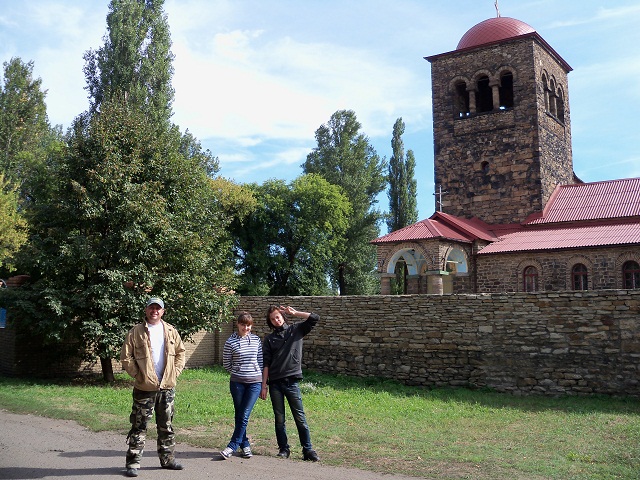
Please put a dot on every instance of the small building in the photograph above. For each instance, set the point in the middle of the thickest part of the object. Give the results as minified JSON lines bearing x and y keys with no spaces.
{"x":512,"y":215}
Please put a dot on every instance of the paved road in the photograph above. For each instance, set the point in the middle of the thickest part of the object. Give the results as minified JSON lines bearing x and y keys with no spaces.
{"x":33,"y":447}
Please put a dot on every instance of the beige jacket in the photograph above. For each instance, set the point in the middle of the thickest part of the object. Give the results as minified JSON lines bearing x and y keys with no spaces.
{"x":137,"y":360}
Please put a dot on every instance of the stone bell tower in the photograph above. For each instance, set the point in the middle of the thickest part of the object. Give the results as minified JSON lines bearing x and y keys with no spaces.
{"x":502,"y":128}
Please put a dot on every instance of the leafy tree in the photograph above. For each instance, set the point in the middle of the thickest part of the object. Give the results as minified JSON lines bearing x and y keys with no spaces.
{"x":285,"y":246}
{"x":26,"y":138}
{"x":135,"y":61}
{"x":13,"y":232}
{"x":129,"y":216}
{"x":344,"y":157}
{"x":403,"y":206}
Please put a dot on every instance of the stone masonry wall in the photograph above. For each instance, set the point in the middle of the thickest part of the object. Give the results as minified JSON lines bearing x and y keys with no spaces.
{"x":559,"y":343}
{"x":550,"y":343}
{"x":503,"y":272}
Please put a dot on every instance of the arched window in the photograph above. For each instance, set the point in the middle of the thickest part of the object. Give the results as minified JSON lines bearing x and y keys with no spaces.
{"x":461,"y":100}
{"x":506,"y":90}
{"x":560,"y":106}
{"x":630,"y":275}
{"x":552,"y":98}
{"x":579,"y":277}
{"x":545,"y":89}
{"x":484,"y":100}
{"x":530,"y":279}
{"x":456,"y":262}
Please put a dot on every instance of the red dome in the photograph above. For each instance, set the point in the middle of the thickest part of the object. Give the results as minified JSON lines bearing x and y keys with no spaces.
{"x":493,"y":30}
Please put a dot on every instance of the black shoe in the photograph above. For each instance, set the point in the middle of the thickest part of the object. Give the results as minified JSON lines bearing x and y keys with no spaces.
{"x":132,"y":472}
{"x":284,"y":453}
{"x":173,"y":466}
{"x":310,"y":455}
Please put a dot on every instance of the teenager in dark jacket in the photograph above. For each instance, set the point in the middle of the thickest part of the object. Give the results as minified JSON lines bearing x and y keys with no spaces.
{"x":282,"y":372}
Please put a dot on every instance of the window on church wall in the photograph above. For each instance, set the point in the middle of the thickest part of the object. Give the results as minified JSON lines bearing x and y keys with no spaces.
{"x":461,"y":100}
{"x":506,"y":90}
{"x":631,"y":275}
{"x":484,"y":97}
{"x":560,"y":106}
{"x":530,"y":279}
{"x":545,"y":89}
{"x":579,"y":277}
{"x":552,"y":99}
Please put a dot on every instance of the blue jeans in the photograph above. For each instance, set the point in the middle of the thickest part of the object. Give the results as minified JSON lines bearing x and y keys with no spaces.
{"x":244,"y":397}
{"x":289,"y":389}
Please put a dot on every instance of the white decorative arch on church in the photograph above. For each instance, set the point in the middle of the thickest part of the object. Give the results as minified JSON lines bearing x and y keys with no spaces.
{"x":457,"y":262}
{"x":412,"y":257}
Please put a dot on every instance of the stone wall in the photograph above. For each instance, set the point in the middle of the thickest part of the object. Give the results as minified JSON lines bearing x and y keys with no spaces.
{"x":498,"y":273}
{"x":540,"y":343}
{"x":550,"y":343}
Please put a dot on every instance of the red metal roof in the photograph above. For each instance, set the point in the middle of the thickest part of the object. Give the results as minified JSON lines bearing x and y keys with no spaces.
{"x":566,"y":237}
{"x":422,"y":230}
{"x":474,"y":227}
{"x":493,"y":30}
{"x":576,"y":216}
{"x":609,"y":199}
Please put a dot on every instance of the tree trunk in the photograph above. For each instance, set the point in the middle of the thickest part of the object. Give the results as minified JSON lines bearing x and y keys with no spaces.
{"x":341,"y":282}
{"x":107,"y":370}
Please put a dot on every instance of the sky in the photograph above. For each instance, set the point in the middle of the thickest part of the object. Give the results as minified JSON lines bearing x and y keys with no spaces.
{"x":254,"y":79}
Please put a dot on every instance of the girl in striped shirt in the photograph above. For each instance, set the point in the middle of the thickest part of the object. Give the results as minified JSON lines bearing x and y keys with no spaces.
{"x":242,"y":358}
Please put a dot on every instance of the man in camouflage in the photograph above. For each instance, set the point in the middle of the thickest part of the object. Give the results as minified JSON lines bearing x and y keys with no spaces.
{"x":154,"y":355}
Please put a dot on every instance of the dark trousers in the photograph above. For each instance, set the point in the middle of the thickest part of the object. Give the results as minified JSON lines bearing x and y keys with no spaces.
{"x":289,"y":389}
{"x":144,"y":406}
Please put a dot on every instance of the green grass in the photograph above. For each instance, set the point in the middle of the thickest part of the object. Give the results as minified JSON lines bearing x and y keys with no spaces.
{"x":381,"y":425}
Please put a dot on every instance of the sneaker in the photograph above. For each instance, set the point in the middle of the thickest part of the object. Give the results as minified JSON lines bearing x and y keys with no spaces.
{"x":226,"y":453}
{"x":284,"y":453}
{"x":173,"y":466}
{"x":132,"y":472}
{"x":246,"y":452}
{"x":310,"y":455}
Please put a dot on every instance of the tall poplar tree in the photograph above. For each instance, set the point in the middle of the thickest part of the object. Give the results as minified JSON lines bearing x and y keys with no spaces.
{"x":344,"y":157}
{"x":403,"y":205}
{"x":135,"y":62}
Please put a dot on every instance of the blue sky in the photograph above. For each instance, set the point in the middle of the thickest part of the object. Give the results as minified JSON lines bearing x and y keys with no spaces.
{"x":254,"y":79}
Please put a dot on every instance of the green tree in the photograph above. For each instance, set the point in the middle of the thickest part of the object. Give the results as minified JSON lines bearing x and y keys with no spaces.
{"x":403,"y":206}
{"x":129,"y":216}
{"x":135,"y":62}
{"x":344,"y":157}
{"x":13,"y":231}
{"x":285,"y":246}
{"x":26,"y":137}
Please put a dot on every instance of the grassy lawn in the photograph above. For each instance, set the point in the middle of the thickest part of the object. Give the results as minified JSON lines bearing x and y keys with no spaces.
{"x":380,"y":425}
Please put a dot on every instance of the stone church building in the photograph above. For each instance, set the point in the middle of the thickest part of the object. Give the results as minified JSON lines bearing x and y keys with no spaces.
{"x":511,"y":214}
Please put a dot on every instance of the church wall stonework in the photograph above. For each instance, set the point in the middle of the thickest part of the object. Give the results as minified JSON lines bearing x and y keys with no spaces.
{"x":503,"y":272}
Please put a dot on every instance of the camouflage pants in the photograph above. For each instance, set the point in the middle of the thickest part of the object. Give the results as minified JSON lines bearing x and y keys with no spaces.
{"x":144,"y":405}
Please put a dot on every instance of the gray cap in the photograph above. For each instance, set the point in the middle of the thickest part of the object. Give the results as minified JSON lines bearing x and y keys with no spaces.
{"x":155,"y":300}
